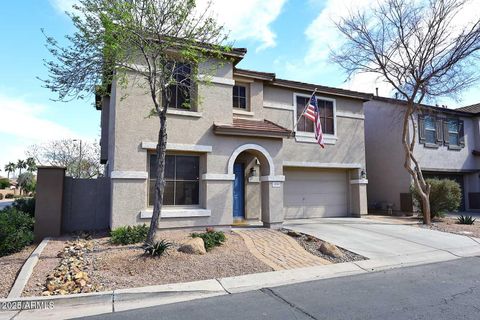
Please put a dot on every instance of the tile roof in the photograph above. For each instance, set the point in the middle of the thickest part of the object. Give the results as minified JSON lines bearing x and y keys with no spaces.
{"x":474,"y":108}
{"x":458,"y":112}
{"x":252,"y":127}
{"x":273,"y":80}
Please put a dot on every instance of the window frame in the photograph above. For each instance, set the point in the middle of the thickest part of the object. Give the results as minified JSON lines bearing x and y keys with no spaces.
{"x":434,"y":119}
{"x":247,"y":95}
{"x":190,"y":91}
{"x":180,"y":206}
{"x":304,"y":136}
{"x":450,"y":145}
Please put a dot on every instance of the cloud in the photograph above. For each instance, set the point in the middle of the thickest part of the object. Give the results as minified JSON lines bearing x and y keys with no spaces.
{"x":24,"y":123}
{"x":249,"y":20}
{"x":62,"y":5}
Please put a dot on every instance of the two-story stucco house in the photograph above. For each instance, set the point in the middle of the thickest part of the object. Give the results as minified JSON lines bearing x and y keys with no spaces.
{"x":446,"y":140}
{"x":236,"y":155}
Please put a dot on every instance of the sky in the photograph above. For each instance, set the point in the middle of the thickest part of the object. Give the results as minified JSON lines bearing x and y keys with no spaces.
{"x":291,"y":38}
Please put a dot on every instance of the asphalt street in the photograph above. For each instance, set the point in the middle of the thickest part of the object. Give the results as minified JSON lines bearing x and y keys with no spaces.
{"x":446,"y":290}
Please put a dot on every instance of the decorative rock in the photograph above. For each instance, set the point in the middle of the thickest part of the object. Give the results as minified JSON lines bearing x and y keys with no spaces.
{"x":331,"y":250}
{"x":193,"y":246}
{"x":70,"y":275}
{"x":294,"y":234}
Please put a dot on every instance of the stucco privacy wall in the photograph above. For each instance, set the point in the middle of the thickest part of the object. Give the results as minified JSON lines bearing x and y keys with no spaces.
{"x":64,"y":204}
{"x":191,"y":132}
{"x":86,"y":204}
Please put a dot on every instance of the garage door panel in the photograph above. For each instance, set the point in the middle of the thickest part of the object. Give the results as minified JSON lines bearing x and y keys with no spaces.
{"x":315,"y":193}
{"x":298,"y":188}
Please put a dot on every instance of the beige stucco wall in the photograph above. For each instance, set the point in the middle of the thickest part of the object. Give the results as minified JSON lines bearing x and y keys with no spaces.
{"x":385,"y":157}
{"x":384,"y":153}
{"x":132,"y":125}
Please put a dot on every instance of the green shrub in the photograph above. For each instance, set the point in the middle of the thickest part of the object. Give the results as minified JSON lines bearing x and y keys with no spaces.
{"x":9,"y":196}
{"x":26,"y":205}
{"x":16,"y":230}
{"x":157,"y":249}
{"x":465,"y":220}
{"x":211,"y":238}
{"x":445,"y":196}
{"x":4,"y":183}
{"x":129,"y":234}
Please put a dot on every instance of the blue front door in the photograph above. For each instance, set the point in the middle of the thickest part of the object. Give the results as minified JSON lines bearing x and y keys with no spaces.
{"x":238,"y":191}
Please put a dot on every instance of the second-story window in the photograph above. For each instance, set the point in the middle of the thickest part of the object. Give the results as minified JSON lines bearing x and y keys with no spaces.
{"x":240,"y":96}
{"x":430,"y":130}
{"x":327,"y":118}
{"x":453,"y":132}
{"x":180,"y":93}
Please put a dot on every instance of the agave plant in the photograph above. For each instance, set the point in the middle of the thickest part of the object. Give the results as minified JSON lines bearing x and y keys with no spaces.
{"x":466,"y":220}
{"x":157,"y":249}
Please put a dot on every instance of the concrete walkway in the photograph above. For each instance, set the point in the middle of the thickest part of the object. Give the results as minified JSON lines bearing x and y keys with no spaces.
{"x":379,"y":239}
{"x":278,"y":250}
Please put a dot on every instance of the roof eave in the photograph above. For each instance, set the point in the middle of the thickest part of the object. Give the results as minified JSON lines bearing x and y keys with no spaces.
{"x":287,"y":84}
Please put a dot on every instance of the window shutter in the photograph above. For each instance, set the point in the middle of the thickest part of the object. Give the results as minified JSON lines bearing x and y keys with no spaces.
{"x":421,"y":129}
{"x":461,"y":137}
{"x":445,"y":132}
{"x":439,"y":131}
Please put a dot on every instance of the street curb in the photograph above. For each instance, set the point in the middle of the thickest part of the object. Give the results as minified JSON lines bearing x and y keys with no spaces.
{"x":26,"y":271}
{"x":133,"y":298}
{"x":126,"y":299}
{"x":257,"y":281}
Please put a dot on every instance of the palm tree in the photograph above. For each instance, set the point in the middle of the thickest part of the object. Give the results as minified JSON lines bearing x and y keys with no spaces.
{"x":9,"y":168}
{"x":31,"y":165}
{"x":21,"y":164}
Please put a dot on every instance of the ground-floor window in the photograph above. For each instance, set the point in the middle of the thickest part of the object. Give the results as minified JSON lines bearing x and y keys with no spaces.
{"x":182,"y":180}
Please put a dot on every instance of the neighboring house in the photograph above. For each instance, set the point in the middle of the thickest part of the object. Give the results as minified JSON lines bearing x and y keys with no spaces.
{"x":446,"y":140}
{"x":233,"y":156}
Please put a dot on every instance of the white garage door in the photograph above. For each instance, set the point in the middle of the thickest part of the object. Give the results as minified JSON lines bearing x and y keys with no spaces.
{"x":315,"y":193}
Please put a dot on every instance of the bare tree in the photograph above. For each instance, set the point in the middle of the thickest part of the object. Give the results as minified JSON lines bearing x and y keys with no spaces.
{"x":158,"y":45}
{"x":416,"y":47}
{"x":80,"y":161}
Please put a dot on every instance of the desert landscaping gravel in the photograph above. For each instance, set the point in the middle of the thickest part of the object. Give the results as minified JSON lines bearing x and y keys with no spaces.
{"x":449,"y":224}
{"x":47,"y":262}
{"x":115,"y":267}
{"x":118,"y":267}
{"x":10,"y":266}
{"x":312,"y":245}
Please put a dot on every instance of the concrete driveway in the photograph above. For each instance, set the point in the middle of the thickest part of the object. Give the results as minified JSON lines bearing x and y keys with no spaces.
{"x":380,"y":240}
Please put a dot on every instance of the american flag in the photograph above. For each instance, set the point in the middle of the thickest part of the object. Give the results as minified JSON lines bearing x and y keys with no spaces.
{"x":312,"y":113}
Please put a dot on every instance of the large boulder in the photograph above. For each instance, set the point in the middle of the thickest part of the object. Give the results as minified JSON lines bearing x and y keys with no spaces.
{"x":331,"y":250}
{"x":193,"y":246}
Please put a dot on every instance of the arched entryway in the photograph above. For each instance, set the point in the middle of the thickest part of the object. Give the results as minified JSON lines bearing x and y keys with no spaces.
{"x":253,"y":168}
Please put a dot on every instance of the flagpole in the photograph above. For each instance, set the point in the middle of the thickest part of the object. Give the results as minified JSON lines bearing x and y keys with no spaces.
{"x":306,"y":106}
